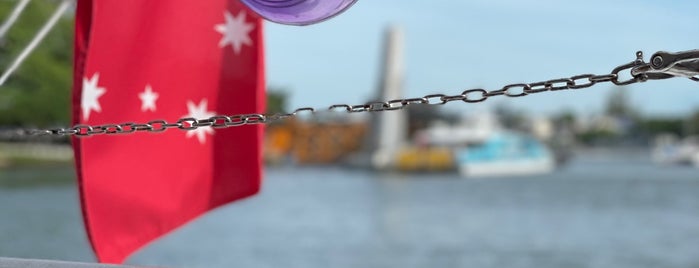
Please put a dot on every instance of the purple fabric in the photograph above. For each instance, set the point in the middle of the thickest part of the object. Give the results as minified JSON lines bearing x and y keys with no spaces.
{"x":298,"y":12}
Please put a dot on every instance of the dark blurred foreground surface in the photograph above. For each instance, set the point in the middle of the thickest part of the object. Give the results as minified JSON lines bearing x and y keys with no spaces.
{"x":602,"y":210}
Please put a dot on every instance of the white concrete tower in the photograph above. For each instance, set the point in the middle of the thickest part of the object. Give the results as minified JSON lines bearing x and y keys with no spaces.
{"x":389,"y":128}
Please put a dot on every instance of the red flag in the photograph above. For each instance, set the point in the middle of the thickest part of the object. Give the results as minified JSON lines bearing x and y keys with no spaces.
{"x":137,"y":61}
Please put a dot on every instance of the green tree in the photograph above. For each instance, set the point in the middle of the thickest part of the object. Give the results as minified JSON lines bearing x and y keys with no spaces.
{"x":691,"y":124}
{"x":618,"y":104}
{"x":38,"y":94}
{"x":511,"y":118}
{"x":276,"y":100}
{"x":656,"y":126}
{"x":565,"y":118}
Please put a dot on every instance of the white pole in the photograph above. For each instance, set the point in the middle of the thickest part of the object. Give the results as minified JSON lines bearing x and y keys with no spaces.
{"x":65,"y":4}
{"x":13,"y":17}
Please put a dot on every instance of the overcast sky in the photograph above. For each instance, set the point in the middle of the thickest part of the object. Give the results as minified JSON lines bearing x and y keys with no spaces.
{"x":454,"y":45}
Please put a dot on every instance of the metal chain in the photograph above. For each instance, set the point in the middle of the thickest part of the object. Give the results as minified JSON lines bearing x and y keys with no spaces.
{"x":469,"y":96}
{"x":225,"y":121}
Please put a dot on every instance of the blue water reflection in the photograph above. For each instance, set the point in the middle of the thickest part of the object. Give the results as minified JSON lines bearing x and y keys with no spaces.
{"x":600,"y":211}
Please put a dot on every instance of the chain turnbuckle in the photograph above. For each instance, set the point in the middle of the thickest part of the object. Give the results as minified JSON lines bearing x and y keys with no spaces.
{"x":665,"y":65}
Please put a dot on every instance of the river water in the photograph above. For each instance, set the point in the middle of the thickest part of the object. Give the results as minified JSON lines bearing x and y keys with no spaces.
{"x":598,"y":211}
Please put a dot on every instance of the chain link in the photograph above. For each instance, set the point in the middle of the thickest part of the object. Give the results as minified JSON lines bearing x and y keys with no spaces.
{"x":639,"y":70}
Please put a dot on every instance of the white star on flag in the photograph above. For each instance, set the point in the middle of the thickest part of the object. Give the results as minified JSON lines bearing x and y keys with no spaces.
{"x":148,"y":98}
{"x":90,"y":95}
{"x":235,"y":31}
{"x":199,"y":112}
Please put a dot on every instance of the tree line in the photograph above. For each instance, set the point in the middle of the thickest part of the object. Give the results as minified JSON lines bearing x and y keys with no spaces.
{"x":38,"y":94}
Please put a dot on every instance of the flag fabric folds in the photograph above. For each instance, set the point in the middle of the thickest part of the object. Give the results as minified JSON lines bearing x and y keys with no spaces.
{"x":136,"y":61}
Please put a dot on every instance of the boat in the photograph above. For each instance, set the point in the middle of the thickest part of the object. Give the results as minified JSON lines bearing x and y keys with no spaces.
{"x":480,"y":146}
{"x":671,"y":150}
{"x":505,"y":154}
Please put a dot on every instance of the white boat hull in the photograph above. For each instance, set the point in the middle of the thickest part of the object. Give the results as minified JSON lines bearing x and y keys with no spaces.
{"x":519,"y":167}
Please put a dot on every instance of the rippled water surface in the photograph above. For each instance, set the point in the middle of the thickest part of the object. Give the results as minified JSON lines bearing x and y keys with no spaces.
{"x":599,"y":211}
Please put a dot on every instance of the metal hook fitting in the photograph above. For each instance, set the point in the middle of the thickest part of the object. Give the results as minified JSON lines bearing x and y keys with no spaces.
{"x":666,"y":65}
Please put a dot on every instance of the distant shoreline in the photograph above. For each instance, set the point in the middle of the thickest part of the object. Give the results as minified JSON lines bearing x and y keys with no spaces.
{"x":19,"y":154}
{"x":28,"y":165}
